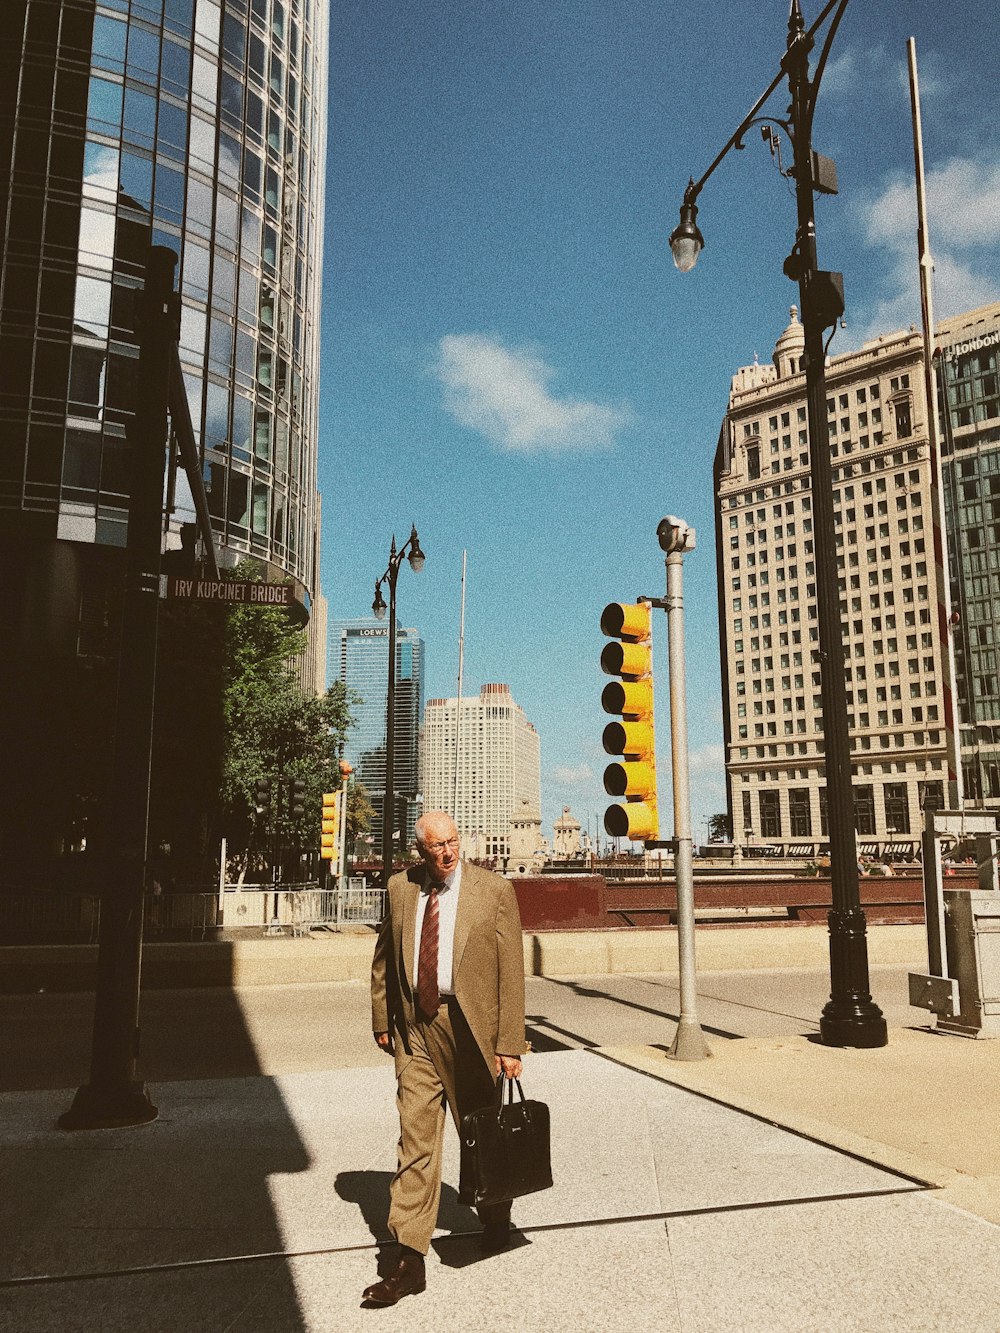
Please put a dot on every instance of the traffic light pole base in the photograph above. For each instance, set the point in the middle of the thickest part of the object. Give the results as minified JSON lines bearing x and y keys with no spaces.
{"x":689,"y":1041}
{"x":95,"y":1108}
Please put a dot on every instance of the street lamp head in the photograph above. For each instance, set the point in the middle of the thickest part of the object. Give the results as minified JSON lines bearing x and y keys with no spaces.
{"x":378,"y":606}
{"x":686,"y":241}
{"x":416,"y":556}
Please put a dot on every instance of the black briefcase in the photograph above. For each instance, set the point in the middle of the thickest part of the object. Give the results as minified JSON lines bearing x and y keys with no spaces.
{"x":505,"y":1149}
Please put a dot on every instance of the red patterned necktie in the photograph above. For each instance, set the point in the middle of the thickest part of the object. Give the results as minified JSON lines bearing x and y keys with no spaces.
{"x":428,"y":995}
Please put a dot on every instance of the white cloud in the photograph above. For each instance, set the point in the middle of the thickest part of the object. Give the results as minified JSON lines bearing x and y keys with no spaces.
{"x":963,"y":206}
{"x":709,"y":761}
{"x":572,"y":777}
{"x":504,"y":394}
{"x":875,"y":67}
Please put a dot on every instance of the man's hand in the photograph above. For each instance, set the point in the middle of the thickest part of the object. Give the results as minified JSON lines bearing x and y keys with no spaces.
{"x":509,"y":1064}
{"x":384,"y":1041}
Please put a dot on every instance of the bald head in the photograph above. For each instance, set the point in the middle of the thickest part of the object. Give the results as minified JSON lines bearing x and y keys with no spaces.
{"x":438,"y":842}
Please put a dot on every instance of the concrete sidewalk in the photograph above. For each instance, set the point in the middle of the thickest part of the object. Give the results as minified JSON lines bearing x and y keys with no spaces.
{"x":928,"y":1104}
{"x":258,"y":1203}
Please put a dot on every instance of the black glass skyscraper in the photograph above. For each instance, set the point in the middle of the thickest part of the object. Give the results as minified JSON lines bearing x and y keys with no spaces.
{"x":195,"y":124}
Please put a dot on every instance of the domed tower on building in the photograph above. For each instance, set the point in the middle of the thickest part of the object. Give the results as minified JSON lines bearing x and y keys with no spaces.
{"x":527,"y":849}
{"x":789,"y":348}
{"x":566,"y":837}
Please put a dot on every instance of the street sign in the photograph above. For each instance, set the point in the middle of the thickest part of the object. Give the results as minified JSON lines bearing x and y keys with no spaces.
{"x":234,"y":592}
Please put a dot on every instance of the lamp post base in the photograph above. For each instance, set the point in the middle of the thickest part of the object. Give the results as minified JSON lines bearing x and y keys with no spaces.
{"x":851,"y":1017}
{"x":864,"y":1028}
{"x":95,"y":1108}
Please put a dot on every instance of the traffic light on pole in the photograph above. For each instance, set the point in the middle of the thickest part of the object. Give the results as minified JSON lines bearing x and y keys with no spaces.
{"x":296,"y":798}
{"x":330,"y":826}
{"x":262,"y":796}
{"x":633,"y":777}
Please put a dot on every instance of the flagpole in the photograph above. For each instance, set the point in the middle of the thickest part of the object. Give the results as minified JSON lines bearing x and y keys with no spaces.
{"x":458,"y":701}
{"x":956,"y":793}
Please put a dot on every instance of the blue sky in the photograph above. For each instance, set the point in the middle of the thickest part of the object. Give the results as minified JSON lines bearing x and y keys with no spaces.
{"x":510,"y":359}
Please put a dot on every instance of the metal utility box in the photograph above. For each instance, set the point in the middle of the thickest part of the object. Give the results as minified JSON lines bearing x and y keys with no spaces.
{"x":972,"y":935}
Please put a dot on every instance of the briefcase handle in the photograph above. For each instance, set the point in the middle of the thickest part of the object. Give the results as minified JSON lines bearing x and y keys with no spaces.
{"x":507,"y":1084}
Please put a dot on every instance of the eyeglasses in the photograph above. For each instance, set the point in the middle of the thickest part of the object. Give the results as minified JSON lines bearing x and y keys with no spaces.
{"x":436,"y":847}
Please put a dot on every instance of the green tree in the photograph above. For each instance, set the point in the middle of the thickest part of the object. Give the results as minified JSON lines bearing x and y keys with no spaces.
{"x":719,"y":828}
{"x":231,"y":711}
{"x":360,"y":812}
{"x":274,"y":730}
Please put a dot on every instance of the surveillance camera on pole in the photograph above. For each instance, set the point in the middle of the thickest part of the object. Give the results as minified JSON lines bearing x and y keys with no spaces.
{"x":674,"y":535}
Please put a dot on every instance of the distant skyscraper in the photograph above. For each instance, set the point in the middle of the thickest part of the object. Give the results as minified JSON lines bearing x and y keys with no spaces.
{"x":361,"y":647}
{"x":181,"y":123}
{"x":499,"y":767}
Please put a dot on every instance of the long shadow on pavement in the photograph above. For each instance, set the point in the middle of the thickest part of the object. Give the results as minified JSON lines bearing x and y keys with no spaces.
{"x":179,"y":1199}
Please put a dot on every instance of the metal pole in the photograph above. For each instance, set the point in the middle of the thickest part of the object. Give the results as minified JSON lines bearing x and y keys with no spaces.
{"x":114,"y":1096}
{"x":956,"y":794}
{"x":346,"y":770}
{"x":389,"y":798}
{"x":458,"y":701}
{"x":689,"y":1041}
{"x":850,"y":1018}
{"x":222,"y":882}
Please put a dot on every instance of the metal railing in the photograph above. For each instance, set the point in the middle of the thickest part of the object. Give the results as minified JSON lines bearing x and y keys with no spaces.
{"x":37,"y":918}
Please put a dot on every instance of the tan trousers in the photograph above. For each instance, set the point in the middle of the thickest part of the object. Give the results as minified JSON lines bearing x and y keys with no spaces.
{"x":447,"y":1066}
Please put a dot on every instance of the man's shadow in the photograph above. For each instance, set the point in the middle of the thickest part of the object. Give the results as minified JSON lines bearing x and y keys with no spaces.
{"x":370,"y":1191}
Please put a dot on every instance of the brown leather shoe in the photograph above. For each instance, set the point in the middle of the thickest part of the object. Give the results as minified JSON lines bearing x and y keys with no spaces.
{"x":406,"y":1279}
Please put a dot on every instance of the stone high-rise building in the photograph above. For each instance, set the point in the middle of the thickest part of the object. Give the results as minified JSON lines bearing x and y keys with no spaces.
{"x":499,"y":766}
{"x":773,"y":718}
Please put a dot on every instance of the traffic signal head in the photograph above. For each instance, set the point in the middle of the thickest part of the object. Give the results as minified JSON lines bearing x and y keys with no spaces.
{"x":296,"y":797}
{"x":633,"y":777}
{"x":330,"y":826}
{"x":262,"y":795}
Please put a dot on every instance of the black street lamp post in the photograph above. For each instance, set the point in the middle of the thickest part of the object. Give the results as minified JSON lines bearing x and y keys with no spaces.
{"x":114,"y":1096}
{"x":850,"y":1017}
{"x":416,"y":559}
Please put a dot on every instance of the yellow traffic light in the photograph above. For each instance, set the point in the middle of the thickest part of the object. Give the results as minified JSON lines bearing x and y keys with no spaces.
{"x":633,"y":776}
{"x":330,"y":829}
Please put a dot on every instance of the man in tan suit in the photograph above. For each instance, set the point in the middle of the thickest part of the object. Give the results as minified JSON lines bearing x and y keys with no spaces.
{"x":448,"y":1003}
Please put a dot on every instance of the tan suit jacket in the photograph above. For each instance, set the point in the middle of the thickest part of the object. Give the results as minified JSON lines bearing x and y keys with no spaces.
{"x":488,"y":967}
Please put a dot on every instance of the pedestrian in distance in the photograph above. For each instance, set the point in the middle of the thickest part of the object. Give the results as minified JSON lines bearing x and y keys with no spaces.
{"x":448,"y":1004}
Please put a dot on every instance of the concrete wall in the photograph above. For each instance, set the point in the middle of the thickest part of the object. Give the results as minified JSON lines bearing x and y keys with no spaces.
{"x":347,"y":957}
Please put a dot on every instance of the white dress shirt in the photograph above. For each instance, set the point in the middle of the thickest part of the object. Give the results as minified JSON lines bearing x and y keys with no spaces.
{"x":447,"y":911}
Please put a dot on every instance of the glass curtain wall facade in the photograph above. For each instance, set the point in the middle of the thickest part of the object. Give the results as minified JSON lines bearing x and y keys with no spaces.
{"x":969,"y":404}
{"x":194,"y":124}
{"x":362,"y":649}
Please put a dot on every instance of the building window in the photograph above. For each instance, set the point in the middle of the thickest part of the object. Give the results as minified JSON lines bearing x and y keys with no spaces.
{"x":770,"y":815}
{"x":800,"y":820}
{"x":897,"y":808}
{"x":904,"y":422}
{"x":864,"y":810}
